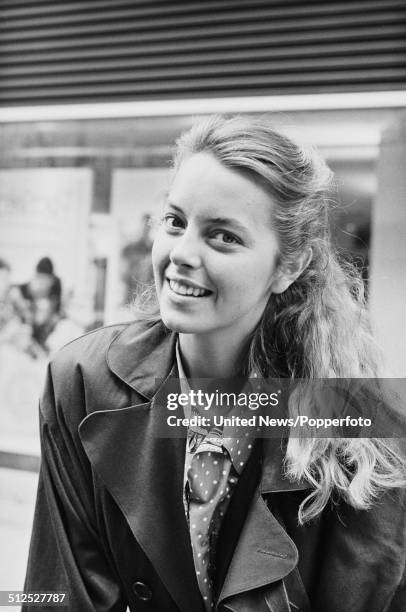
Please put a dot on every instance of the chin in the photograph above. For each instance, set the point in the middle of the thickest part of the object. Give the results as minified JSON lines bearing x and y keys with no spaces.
{"x":181,"y":324}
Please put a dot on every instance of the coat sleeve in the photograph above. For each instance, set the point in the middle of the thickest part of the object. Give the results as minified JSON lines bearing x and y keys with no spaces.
{"x":67,"y":554}
{"x":364,"y":558}
{"x":398,"y":603}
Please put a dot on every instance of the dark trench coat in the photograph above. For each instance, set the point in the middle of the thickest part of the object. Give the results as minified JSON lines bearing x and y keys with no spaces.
{"x":110,"y":528}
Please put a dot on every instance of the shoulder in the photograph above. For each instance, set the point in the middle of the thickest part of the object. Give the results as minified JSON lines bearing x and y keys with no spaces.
{"x":90,"y":350}
{"x":75,"y":373}
{"x":87,"y":351}
{"x":96,"y":370}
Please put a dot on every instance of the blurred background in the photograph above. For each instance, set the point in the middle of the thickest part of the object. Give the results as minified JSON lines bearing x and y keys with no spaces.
{"x":94,"y":93}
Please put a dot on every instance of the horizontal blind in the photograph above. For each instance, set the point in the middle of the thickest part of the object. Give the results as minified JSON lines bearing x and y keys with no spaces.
{"x":102,"y":50}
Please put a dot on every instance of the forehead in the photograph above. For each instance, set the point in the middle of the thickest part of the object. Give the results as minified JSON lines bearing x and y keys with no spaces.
{"x":205,"y":187}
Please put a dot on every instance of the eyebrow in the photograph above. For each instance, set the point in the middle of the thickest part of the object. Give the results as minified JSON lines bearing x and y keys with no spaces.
{"x":231,"y":222}
{"x":215,"y":220}
{"x":169,"y":203}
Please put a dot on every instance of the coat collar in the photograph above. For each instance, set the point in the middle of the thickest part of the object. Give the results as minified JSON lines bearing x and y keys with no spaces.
{"x":143,"y":355}
{"x":125,"y":449}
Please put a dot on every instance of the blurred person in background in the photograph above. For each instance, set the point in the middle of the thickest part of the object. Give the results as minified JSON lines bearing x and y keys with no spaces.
{"x":44,"y":284}
{"x":52,"y":329}
{"x":22,"y":359}
{"x":136,"y":265}
{"x":15,"y":313}
{"x":32,"y":319}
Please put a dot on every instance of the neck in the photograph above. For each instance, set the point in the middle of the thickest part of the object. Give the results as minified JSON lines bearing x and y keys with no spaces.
{"x":211,"y":356}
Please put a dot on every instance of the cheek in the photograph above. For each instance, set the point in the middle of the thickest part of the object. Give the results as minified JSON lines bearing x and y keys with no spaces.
{"x":263,"y":271}
{"x":245,"y":279}
{"x":160,"y":251}
{"x":155,"y":254}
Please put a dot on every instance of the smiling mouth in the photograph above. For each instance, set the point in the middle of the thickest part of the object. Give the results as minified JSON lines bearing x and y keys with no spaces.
{"x":181,"y":288}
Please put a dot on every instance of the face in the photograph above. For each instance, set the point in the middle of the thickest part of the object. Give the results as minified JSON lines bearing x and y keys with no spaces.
{"x":215,"y":251}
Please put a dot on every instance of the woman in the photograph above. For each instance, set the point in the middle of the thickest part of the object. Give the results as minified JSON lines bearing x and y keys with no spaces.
{"x":247,"y":284}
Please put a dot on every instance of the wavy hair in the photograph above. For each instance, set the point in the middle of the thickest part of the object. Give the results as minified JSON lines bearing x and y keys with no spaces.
{"x":318,"y":327}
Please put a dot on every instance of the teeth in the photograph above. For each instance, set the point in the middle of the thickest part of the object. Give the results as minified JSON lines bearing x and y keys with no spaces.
{"x":183,"y":289}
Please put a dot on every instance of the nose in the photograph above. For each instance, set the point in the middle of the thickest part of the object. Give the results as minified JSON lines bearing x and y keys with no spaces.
{"x":186,"y":251}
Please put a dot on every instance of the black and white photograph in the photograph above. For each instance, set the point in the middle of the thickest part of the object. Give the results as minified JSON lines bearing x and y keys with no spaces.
{"x":202,"y":305}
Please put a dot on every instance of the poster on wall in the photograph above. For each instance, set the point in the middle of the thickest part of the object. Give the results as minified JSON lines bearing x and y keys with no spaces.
{"x":44,"y":217}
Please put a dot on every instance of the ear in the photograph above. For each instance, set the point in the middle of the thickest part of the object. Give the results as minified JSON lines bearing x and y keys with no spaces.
{"x":286,"y":275}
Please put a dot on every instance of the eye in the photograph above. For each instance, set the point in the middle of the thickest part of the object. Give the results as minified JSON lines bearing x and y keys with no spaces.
{"x":224,"y":237}
{"x":172,"y":222}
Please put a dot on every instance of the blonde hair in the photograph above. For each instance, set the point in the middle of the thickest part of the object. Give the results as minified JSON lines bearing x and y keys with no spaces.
{"x":318,"y":327}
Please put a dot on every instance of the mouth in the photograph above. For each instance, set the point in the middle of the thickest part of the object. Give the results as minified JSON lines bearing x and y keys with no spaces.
{"x":183,"y":288}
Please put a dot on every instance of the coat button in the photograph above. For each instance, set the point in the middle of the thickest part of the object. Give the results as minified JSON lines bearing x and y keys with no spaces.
{"x":142,"y":591}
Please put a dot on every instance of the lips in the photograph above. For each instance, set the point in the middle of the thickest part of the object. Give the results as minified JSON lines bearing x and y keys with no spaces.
{"x":184,"y":288}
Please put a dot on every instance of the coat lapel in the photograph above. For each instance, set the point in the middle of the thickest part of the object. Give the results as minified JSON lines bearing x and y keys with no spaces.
{"x":264,"y":554}
{"x":144,"y":473}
